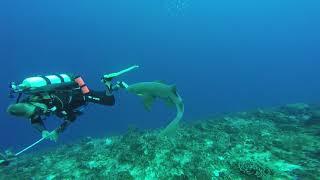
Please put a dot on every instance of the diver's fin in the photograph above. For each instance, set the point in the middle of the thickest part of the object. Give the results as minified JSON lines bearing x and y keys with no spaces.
{"x":147,"y":101}
{"x":4,"y":162}
{"x":3,"y":157}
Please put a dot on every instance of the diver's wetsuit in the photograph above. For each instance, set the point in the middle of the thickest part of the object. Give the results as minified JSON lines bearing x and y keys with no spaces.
{"x":67,"y":103}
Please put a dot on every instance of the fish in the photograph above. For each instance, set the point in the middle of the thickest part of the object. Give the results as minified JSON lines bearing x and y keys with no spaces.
{"x":150,"y":91}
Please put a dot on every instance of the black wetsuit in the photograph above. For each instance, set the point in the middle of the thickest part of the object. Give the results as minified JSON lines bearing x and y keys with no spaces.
{"x":67,"y":103}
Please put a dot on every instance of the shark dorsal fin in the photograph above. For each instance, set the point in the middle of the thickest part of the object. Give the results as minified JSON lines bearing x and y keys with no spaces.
{"x":174,"y":89}
{"x":160,"y":81}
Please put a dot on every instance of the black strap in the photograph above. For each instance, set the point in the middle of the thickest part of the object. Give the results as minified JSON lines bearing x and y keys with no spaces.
{"x":19,"y":97}
{"x":46,"y":79}
{"x":60,"y":77}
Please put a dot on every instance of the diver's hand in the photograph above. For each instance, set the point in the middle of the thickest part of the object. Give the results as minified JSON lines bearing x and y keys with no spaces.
{"x":53,"y":136}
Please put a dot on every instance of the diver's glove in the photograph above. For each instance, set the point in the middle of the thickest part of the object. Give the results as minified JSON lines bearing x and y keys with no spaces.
{"x":120,"y":85}
{"x":107,"y":79}
{"x":115,"y":87}
{"x":53,"y":136}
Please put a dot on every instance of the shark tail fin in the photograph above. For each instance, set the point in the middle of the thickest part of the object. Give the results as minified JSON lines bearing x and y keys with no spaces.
{"x":172,"y":128}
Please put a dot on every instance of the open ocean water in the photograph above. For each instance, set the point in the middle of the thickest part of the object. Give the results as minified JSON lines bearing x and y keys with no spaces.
{"x":223,"y":56}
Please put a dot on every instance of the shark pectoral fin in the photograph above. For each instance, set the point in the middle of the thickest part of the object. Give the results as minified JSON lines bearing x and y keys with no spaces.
{"x":148,"y":102}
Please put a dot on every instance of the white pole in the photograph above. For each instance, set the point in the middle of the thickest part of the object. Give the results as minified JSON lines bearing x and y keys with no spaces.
{"x":30,"y":146}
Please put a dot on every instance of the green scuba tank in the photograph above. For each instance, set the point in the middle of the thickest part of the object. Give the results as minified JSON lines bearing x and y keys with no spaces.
{"x":42,"y":81}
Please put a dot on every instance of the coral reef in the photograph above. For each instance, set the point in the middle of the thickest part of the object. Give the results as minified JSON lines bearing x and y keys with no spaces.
{"x":277,"y":143}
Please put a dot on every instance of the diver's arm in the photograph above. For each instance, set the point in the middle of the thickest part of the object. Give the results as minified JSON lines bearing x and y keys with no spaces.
{"x":54,"y":135}
{"x":69,"y":117}
{"x":63,"y":126}
{"x":38,"y":124}
{"x":100,"y":97}
{"x":105,"y":97}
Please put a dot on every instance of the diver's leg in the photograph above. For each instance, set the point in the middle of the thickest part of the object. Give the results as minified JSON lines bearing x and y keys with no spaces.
{"x":37,"y":123}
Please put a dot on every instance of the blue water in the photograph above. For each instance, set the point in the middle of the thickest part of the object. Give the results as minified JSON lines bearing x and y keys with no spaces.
{"x":224,"y":56}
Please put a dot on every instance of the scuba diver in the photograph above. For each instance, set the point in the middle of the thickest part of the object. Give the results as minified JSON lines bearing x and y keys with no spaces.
{"x":62,"y":95}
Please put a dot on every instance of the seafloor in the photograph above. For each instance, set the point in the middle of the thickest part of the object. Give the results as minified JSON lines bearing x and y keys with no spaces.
{"x":277,"y":143}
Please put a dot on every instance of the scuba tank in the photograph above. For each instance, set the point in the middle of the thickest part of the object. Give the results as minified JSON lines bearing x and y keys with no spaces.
{"x":43,"y":83}
{"x":40,"y":81}
{"x":38,"y":85}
